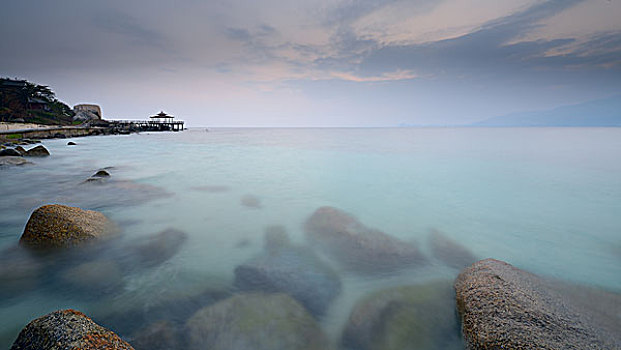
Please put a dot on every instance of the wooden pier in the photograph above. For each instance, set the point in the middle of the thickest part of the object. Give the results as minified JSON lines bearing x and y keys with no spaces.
{"x":158,"y":122}
{"x":147,"y":125}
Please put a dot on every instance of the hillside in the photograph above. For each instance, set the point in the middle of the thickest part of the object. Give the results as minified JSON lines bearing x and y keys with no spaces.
{"x":603,"y":112}
{"x":26,"y":102}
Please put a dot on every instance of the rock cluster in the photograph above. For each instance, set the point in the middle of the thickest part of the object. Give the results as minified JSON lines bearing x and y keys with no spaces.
{"x":290,"y":269}
{"x":13,"y":155}
{"x":356,"y":246}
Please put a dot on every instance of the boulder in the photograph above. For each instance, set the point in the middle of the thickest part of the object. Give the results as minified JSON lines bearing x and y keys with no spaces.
{"x":356,"y":246}
{"x":10,"y":152}
{"x":450,"y":252}
{"x":21,"y":150}
{"x":38,"y":151}
{"x":405,"y":317}
{"x":71,"y":143}
{"x":292,"y":270}
{"x":65,"y":330}
{"x":257,"y":322}
{"x":13,"y":160}
{"x":100,"y":177}
{"x":503,"y":307}
{"x":101,"y":173}
{"x":55,"y":226}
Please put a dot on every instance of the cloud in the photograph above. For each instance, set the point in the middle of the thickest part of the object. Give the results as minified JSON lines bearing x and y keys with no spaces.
{"x":347,"y":56}
{"x":129,"y":28}
{"x":385,"y":77}
{"x":493,"y":50}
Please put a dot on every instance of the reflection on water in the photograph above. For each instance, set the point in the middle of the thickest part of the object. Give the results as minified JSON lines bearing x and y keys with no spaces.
{"x":351,"y":235}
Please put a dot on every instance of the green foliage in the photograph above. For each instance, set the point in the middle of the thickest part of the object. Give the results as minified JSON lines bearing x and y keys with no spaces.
{"x":14,"y":136}
{"x":17,"y":97}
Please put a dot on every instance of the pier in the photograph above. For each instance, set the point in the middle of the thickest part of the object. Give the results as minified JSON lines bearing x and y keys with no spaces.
{"x":146,"y":125}
{"x":158,"y":122}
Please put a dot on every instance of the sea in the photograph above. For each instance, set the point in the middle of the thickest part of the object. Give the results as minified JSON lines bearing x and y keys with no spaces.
{"x":546,"y":200}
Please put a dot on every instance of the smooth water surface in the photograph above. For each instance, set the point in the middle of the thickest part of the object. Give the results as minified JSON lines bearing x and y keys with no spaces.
{"x":547,"y":200}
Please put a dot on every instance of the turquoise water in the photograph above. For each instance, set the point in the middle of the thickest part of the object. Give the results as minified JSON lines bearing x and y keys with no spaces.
{"x":547,"y":200}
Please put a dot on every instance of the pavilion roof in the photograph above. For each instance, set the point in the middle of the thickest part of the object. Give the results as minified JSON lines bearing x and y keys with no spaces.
{"x":161,"y":115}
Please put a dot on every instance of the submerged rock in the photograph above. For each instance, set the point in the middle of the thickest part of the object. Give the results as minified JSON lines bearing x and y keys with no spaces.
{"x":161,"y":335}
{"x":503,"y":307}
{"x":55,"y":225}
{"x":153,"y":250}
{"x":10,"y":152}
{"x":275,"y":239}
{"x":101,"y":173}
{"x":65,"y":330}
{"x":129,"y":316}
{"x":100,"y":176}
{"x":13,"y":160}
{"x":38,"y":151}
{"x":292,"y":270}
{"x":104,"y":191}
{"x":251,"y":201}
{"x":96,"y":278}
{"x":406,"y":317}
{"x":450,"y":252}
{"x":71,"y":143}
{"x":358,"y":247}
{"x":255,"y":322}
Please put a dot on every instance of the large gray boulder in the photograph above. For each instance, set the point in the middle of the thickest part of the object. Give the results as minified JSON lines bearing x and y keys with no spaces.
{"x":67,"y":330}
{"x":56,"y":226}
{"x":503,"y":307}
{"x":296,"y":271}
{"x":405,"y":317}
{"x":38,"y":151}
{"x":255,"y":322}
{"x":356,"y":246}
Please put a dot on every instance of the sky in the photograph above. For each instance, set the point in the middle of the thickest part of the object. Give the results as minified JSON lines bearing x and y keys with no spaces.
{"x":316,"y":62}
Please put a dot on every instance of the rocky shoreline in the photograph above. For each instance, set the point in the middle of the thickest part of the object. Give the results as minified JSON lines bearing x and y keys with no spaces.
{"x":280,"y":296}
{"x":62,"y":132}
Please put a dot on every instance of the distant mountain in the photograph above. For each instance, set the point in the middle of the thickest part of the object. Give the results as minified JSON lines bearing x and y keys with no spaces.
{"x":604,"y":112}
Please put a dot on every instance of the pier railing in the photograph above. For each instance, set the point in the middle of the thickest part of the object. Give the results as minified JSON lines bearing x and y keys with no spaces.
{"x":149,"y":125}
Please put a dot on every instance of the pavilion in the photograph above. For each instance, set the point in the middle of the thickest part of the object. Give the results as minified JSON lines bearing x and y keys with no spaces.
{"x":162,"y":117}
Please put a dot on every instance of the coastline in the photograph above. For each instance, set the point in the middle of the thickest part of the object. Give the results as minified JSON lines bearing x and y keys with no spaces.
{"x":15,"y":132}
